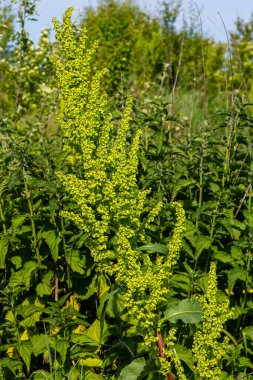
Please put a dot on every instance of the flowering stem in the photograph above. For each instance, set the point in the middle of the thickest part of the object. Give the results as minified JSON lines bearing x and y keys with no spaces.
{"x":160,"y":345}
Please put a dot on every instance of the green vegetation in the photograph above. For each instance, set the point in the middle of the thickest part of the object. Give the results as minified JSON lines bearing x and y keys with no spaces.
{"x":126,"y":220}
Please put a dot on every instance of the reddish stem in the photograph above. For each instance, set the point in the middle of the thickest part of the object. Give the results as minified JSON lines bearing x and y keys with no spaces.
{"x":160,"y":345}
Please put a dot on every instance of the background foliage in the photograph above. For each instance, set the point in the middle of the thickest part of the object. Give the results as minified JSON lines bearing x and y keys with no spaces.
{"x":63,"y":315}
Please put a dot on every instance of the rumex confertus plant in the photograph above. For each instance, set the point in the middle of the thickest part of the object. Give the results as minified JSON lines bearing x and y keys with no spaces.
{"x":111,"y":206}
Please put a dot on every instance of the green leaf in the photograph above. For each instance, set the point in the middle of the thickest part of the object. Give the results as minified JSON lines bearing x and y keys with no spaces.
{"x":8,"y":363}
{"x":160,"y":248}
{"x":201,"y":243}
{"x":133,"y":370}
{"x":45,"y":287}
{"x":94,"y":331}
{"x":235,"y":275}
{"x":248,"y":331}
{"x":181,"y":281}
{"x":189,"y":311}
{"x":23,"y":276}
{"x":90,"y":375}
{"x":115,"y":305}
{"x":25,"y":351}
{"x":39,"y":343}
{"x":228,"y":224}
{"x":245,"y":362}
{"x":84,"y":340}
{"x":236,"y":253}
{"x":18,"y":220}
{"x":91,"y":362}
{"x":3,"y":252}
{"x":76,"y":261}
{"x":185,"y":355}
{"x":62,"y":346}
{"x":31,"y":320}
{"x":53,"y":242}
{"x":41,"y":375}
{"x":223,"y":257}
{"x":181,"y":184}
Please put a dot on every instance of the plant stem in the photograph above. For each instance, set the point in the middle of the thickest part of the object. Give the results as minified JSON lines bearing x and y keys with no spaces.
{"x":160,"y":345}
{"x":2,"y":217}
{"x":200,"y":185}
{"x":30,"y":206}
{"x":65,"y":253}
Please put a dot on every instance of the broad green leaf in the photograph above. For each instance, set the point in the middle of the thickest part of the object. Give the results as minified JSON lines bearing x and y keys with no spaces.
{"x":186,"y":247}
{"x":91,"y":362}
{"x":53,"y":242}
{"x":181,"y":184}
{"x":235,"y":275}
{"x":18,"y":220}
{"x":115,"y":305}
{"x":10,"y":316}
{"x":102,"y":285}
{"x":245,"y":362}
{"x":62,"y":346}
{"x":76,"y":261}
{"x":160,"y":248}
{"x":185,"y":355}
{"x":224,"y":257}
{"x":229,"y":226}
{"x":249,"y":215}
{"x":73,"y":374}
{"x":201,"y":243}
{"x":31,"y":314}
{"x":181,"y":281}
{"x":23,"y":276}
{"x":236,"y":253}
{"x":39,"y":343}
{"x":8,"y":363}
{"x":94,"y":331}
{"x":133,"y":370}
{"x":25,"y":351}
{"x":41,"y":375}
{"x":31,"y":320}
{"x":84,"y":340}
{"x":45,"y":287}
{"x":189,"y":311}
{"x":90,"y":375}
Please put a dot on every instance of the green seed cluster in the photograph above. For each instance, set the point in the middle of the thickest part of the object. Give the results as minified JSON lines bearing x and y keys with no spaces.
{"x":109,"y":201}
{"x":207,"y":348}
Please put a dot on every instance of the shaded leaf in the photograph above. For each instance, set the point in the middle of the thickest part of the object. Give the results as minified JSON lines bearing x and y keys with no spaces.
{"x":25,"y":351}
{"x":235,"y":275}
{"x":133,"y":370}
{"x":39,"y":343}
{"x":53,"y":242}
{"x":62,"y":346}
{"x":189,"y":311}
{"x":76,"y":261}
{"x":160,"y":248}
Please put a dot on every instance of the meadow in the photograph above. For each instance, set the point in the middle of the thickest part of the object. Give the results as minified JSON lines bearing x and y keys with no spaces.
{"x":126,"y":217}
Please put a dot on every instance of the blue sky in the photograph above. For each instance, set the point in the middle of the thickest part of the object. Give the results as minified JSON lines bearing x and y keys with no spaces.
{"x":229,"y":9}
